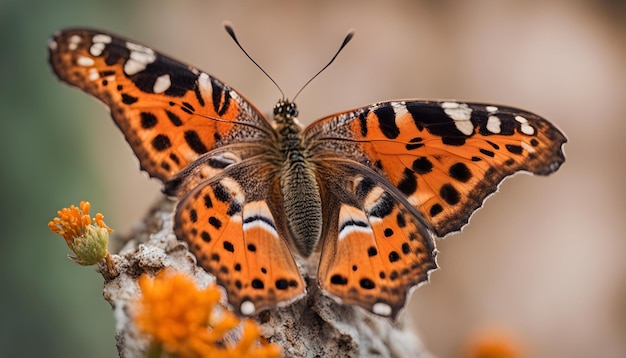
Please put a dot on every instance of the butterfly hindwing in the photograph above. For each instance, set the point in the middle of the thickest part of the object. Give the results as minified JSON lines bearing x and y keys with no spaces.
{"x":375,"y":250}
{"x":228,"y":224}
{"x":170,"y":113}
{"x":444,"y":157}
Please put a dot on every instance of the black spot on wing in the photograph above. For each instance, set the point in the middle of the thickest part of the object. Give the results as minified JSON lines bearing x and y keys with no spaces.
{"x":215,"y":222}
{"x":199,"y":95}
{"x":408,"y":183}
{"x":387,"y":121}
{"x":174,"y":118}
{"x":400,"y":220}
{"x":148,"y":120}
{"x":115,"y":51}
{"x":193,"y":215}
{"x":460,"y":172}
{"x":367,"y":284}
{"x":208,"y":203}
{"x":228,"y":246}
{"x":494,"y":145}
{"x":225,"y":103}
{"x":449,"y":194}
{"x":161,"y":142}
{"x":220,"y":193}
{"x":128,"y":99}
{"x":435,"y":209}
{"x":515,"y":149}
{"x":363,"y":123}
{"x":220,"y":97}
{"x":194,"y":142}
{"x":414,"y":143}
{"x":338,"y":280}
{"x":281,"y":284}
{"x":422,"y":165}
{"x":257,"y":284}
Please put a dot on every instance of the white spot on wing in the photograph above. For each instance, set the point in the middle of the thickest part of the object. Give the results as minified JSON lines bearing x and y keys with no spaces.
{"x":97,"y":48}
{"x":102,"y":38}
{"x":528,"y":147}
{"x":493,"y":124}
{"x":247,"y":308}
{"x":491,"y":109}
{"x":140,"y":57}
{"x":93,"y":74}
{"x":525,"y":127}
{"x":381,"y":309}
{"x":73,"y":42}
{"x":53,"y":45}
{"x":85,"y":61}
{"x":461,"y":114}
{"x":399,"y":108}
{"x":162,"y":83}
{"x":205,"y":82}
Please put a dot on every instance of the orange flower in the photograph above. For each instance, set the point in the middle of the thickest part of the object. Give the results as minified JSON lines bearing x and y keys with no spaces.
{"x":188,"y":322}
{"x":493,"y":343}
{"x":86,"y":237}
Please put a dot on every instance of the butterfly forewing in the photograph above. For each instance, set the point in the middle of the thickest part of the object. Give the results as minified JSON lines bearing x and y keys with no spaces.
{"x":170,"y":113}
{"x":445,"y":157}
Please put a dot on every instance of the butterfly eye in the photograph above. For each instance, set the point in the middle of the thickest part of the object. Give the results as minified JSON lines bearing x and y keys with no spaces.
{"x":292,"y":111}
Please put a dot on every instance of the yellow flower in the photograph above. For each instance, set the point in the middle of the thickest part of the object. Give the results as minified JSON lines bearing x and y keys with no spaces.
{"x":86,"y":237}
{"x":187,"y":322}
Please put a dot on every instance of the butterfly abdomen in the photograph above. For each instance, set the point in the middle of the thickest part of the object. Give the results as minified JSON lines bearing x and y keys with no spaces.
{"x":298,"y":184}
{"x":303,"y":205}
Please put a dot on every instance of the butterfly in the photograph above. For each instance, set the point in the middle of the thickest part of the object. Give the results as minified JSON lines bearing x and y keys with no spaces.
{"x":362,"y":193}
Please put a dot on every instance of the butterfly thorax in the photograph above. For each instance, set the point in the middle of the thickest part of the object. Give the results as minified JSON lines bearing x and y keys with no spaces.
{"x":298,"y":183}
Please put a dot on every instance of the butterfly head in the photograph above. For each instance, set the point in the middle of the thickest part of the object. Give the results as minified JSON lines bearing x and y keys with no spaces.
{"x":285,"y":109}
{"x":286,"y":115}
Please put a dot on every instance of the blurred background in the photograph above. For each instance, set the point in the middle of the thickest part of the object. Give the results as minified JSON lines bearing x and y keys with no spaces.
{"x":541,"y":267}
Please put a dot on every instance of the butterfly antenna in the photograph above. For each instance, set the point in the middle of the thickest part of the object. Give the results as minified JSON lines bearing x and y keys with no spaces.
{"x":343,"y":44}
{"x":231,"y":32}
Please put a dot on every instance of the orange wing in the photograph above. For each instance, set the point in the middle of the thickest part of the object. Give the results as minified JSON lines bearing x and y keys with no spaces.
{"x":236,"y":234}
{"x":170,"y":113}
{"x":375,"y":249}
{"x":444,"y":157}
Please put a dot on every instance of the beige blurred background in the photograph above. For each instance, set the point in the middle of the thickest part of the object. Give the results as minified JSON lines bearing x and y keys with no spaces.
{"x":543,"y":261}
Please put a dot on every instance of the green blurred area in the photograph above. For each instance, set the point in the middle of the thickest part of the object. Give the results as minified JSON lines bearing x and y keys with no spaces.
{"x":50,"y":306}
